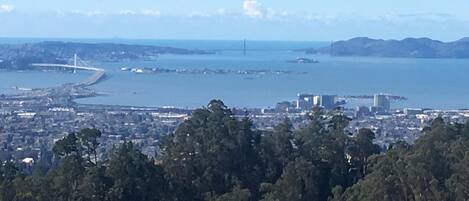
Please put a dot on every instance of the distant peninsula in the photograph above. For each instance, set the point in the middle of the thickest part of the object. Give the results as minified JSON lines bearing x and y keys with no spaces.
{"x":407,"y":48}
{"x":20,"y":56}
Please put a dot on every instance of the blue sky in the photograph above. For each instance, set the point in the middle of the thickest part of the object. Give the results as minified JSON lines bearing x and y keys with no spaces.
{"x":310,"y":20}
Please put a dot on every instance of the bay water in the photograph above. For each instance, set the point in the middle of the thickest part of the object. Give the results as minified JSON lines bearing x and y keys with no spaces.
{"x":427,"y":83}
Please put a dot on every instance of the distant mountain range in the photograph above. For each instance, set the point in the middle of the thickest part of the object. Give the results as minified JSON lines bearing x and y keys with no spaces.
{"x":19,"y":56}
{"x":408,"y":48}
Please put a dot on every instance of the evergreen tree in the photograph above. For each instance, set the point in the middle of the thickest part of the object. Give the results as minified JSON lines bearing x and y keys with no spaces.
{"x":299,"y":182}
{"x":9,"y":173}
{"x":214,"y":156}
{"x":134,"y":176}
{"x":212,"y":151}
{"x":276,"y":150}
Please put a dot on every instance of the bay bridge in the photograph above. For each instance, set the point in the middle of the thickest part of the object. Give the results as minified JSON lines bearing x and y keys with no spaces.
{"x":98,"y":76}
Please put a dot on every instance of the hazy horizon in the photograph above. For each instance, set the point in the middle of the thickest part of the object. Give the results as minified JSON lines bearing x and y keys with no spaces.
{"x":124,"y":39}
{"x":269,"y":20}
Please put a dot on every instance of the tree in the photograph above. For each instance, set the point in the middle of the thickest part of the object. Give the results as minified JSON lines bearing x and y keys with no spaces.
{"x":89,"y":142}
{"x":432,"y":169}
{"x":135,"y":177}
{"x":215,"y":156}
{"x":95,"y":184}
{"x":9,"y":173}
{"x":67,"y":146}
{"x":458,"y":183}
{"x":361,"y":147}
{"x":297,"y":183}
{"x":66,"y":178}
{"x":324,"y":143}
{"x":211,"y":152}
{"x":238,"y":194}
{"x":276,"y":150}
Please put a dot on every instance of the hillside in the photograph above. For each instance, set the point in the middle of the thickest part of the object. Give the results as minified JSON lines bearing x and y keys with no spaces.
{"x":407,"y":48}
{"x":21,"y":55}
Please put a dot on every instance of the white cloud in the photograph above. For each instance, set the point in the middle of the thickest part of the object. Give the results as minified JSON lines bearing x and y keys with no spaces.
{"x":85,"y":13}
{"x":6,"y":8}
{"x":271,"y":13}
{"x":437,"y":17}
{"x":252,"y":8}
{"x":127,"y":12}
{"x":149,"y":12}
{"x":146,"y":12}
{"x":94,"y":13}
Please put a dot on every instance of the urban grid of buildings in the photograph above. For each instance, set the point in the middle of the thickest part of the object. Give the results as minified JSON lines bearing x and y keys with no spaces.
{"x":27,"y":130}
{"x":31,"y":122}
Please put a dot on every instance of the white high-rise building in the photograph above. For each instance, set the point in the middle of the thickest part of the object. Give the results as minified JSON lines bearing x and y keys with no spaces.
{"x":317,"y":100}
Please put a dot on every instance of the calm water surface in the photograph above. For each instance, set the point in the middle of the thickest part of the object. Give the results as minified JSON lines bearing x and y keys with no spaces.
{"x":435,"y":83}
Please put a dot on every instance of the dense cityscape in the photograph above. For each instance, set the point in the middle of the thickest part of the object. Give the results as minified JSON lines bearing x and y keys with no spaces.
{"x":32,"y":121}
{"x":48,"y":138}
{"x":248,"y":100}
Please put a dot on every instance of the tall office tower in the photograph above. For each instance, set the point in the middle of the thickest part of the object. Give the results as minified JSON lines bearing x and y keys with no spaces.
{"x":305,"y":101}
{"x":383,"y":101}
{"x":328,"y":101}
{"x":317,"y":101}
{"x":362,"y":111}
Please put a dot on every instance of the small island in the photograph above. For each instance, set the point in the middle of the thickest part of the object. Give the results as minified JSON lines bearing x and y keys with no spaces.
{"x":406,"y":48}
{"x":208,"y":71}
{"x":301,"y":60}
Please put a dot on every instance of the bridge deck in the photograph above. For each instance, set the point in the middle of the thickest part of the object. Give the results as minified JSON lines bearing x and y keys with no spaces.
{"x":95,"y":78}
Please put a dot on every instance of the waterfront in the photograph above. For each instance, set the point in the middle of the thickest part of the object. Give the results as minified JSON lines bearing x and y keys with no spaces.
{"x":36,"y":79}
{"x":44,"y":110}
{"x":435,"y":83}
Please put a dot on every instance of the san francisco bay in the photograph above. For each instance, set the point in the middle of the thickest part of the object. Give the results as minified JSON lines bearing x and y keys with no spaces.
{"x":433,"y":83}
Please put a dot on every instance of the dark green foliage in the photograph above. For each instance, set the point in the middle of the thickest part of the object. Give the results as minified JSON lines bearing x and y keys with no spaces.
{"x":458,"y":183}
{"x":213,"y":156}
{"x":89,"y":143}
{"x":134,"y":176}
{"x":212,"y":152}
{"x":94,"y":185}
{"x":237,"y":194}
{"x":359,"y":150}
{"x":216,"y":157}
{"x":9,"y":173}
{"x":67,"y":146}
{"x":127,"y":175}
{"x":276,"y":150}
{"x":299,"y":181}
{"x":433,"y":169}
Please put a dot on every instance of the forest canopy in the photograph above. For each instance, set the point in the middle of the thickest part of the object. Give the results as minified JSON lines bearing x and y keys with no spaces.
{"x":214,"y":156}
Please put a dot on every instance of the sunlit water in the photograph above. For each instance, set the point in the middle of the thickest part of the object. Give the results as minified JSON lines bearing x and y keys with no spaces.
{"x":434,"y":83}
